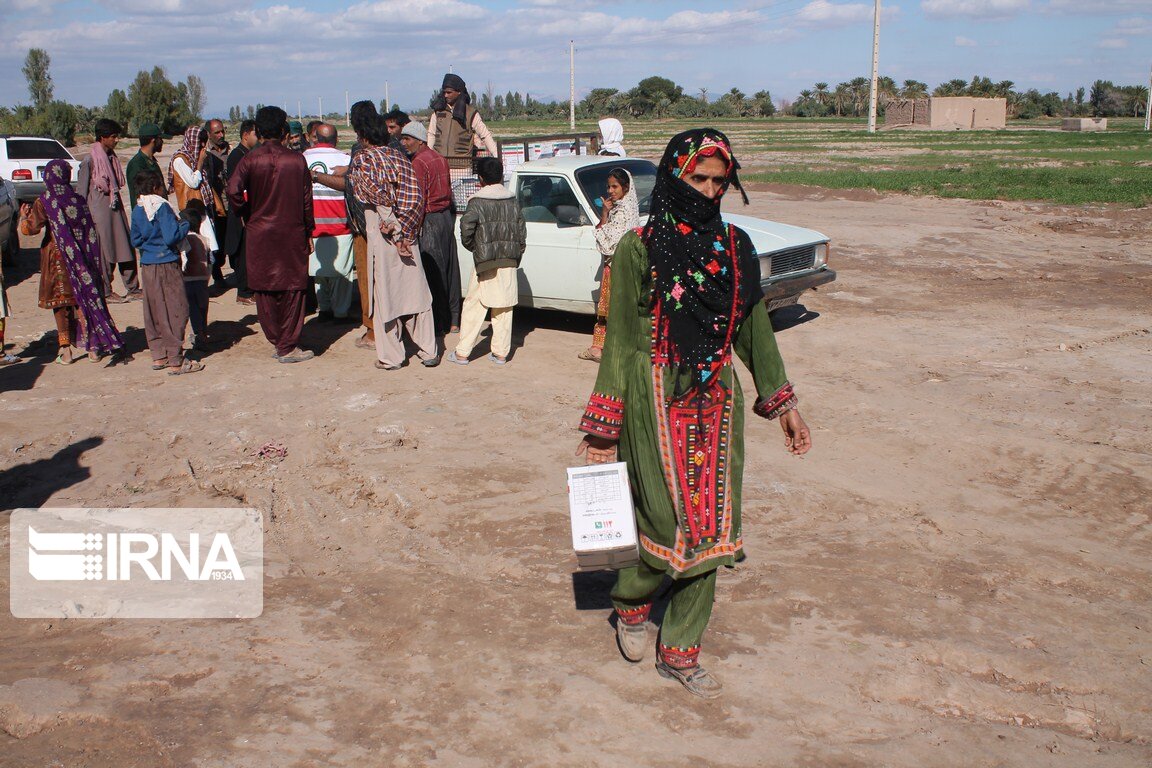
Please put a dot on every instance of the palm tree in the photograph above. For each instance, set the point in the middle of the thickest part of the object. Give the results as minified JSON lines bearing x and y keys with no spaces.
{"x":955,"y":87}
{"x":822,"y":93}
{"x":886,"y":89}
{"x":840,"y":98}
{"x":859,"y":87}
{"x":914,"y":89}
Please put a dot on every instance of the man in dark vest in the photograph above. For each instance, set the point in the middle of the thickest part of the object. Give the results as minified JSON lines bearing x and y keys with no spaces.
{"x":455,"y":129}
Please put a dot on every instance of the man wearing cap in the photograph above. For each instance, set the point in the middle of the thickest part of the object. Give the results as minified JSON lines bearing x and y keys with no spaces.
{"x":151,"y":142}
{"x":437,"y":238}
{"x":296,"y":141}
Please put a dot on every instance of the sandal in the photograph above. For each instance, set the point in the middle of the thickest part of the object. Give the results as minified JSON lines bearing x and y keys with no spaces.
{"x":385,"y":367}
{"x":696,"y":680}
{"x":61,"y":360}
{"x":366,"y":343}
{"x":588,"y":355}
{"x":497,"y":360}
{"x":188,"y":366}
{"x":6,"y":359}
{"x":454,"y":358}
{"x":159,"y":365}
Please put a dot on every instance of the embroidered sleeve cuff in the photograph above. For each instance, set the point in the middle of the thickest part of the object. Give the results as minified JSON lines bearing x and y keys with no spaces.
{"x":782,"y":401}
{"x":604,"y":416}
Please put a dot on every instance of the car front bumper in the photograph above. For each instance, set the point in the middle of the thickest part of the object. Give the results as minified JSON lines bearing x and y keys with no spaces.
{"x":792,"y":286}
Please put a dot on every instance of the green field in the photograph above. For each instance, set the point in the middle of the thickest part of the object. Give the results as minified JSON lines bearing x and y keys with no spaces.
{"x":1031,"y":160}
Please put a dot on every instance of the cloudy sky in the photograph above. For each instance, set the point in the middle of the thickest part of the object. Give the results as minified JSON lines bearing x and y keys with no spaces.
{"x":285,"y":51}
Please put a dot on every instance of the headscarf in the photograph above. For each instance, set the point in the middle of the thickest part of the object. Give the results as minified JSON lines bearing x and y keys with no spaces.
{"x":74,"y":233}
{"x":612,"y":133}
{"x":460,"y":108}
{"x":623,"y":218}
{"x":706,"y":275}
{"x":151,"y":204}
{"x":106,"y":176}
{"x":190,"y":151}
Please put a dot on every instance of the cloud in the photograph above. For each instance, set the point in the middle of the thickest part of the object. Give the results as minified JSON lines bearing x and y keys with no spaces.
{"x":966,"y":42}
{"x":1096,"y":7}
{"x":1112,"y":43}
{"x":1137,"y":27}
{"x":171,"y":6}
{"x":973,"y":9}
{"x":826,"y":14}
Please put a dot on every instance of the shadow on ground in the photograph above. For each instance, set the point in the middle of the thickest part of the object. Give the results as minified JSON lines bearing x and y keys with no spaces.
{"x":33,"y":483}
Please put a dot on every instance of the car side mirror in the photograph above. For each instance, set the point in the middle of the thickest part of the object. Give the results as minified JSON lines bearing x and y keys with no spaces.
{"x":570,"y":215}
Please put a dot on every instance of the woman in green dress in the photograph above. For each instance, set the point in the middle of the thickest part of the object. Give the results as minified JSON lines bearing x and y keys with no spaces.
{"x":685,"y":295}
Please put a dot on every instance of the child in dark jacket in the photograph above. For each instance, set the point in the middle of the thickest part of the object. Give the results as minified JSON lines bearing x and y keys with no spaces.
{"x":197,"y":264}
{"x":493,"y":229}
{"x":155,"y":234}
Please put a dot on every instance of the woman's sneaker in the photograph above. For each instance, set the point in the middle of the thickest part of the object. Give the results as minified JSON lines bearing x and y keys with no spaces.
{"x":632,"y":639}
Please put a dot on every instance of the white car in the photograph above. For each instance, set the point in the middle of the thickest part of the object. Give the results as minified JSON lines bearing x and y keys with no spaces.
{"x":9,"y":215}
{"x":561,"y":265}
{"x":23,"y":159}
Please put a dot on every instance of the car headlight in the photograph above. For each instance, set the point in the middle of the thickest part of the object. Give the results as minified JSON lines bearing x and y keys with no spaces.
{"x":823,"y":251}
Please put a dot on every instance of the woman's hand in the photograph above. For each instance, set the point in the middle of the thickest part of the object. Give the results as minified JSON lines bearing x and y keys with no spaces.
{"x":600,"y":450}
{"x":25,"y":210}
{"x":797,"y":438}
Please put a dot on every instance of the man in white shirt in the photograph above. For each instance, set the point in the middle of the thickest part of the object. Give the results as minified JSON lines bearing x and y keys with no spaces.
{"x":331,"y":263}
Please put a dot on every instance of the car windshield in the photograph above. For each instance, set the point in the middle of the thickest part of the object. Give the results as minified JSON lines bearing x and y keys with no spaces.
{"x":593,"y":181}
{"x":36,"y":149}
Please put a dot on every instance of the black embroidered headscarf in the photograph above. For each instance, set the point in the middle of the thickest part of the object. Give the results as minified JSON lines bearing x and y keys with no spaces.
{"x":460,"y":108}
{"x":706,"y":276}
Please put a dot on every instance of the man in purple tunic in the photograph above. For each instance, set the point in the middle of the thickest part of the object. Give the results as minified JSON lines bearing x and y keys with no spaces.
{"x":272,"y":190}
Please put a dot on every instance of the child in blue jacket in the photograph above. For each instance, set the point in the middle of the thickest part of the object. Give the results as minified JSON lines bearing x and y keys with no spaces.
{"x":156,"y":233}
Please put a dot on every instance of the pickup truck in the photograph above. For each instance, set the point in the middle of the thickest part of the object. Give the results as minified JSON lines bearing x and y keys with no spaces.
{"x":561,"y":265}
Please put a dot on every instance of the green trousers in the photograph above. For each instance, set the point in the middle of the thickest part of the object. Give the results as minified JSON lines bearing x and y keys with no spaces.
{"x":687,"y":615}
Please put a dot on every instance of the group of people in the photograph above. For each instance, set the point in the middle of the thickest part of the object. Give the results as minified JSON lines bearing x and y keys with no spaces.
{"x":294,"y":214}
{"x":680,"y":298}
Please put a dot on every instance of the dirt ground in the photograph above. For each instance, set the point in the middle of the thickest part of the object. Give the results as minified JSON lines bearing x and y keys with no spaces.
{"x":958,"y":574}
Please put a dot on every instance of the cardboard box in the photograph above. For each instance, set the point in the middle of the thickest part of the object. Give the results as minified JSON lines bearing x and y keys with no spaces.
{"x":603,"y":520}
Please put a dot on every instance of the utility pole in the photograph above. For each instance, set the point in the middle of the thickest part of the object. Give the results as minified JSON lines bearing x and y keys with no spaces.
{"x":347,"y":116}
{"x":875,"y":69}
{"x":299,"y":111}
{"x":572,"y":86}
{"x":387,"y":100}
{"x":1148,"y":105}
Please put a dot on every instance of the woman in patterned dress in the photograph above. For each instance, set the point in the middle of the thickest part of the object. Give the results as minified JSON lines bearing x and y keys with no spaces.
{"x":619,"y":214}
{"x":685,"y":296}
{"x":71,"y":275}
